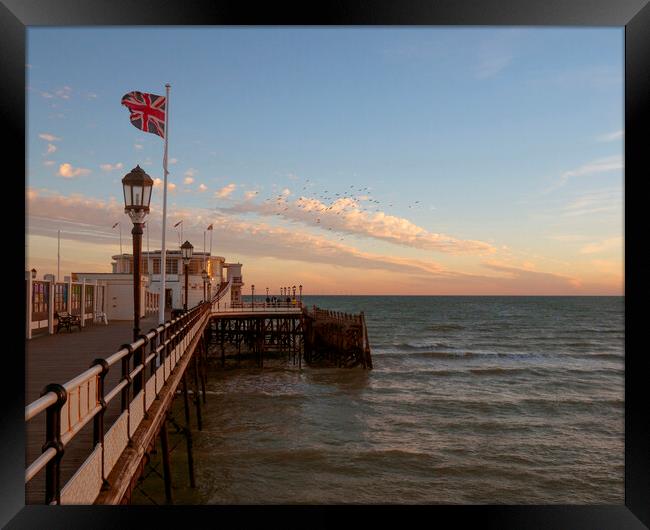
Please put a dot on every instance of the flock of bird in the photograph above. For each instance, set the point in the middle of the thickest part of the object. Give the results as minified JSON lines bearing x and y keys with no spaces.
{"x":354,"y":198}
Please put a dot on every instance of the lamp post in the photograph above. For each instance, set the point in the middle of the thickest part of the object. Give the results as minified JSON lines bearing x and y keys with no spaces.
{"x":33,"y":271}
{"x":253,"y":297}
{"x":137,"y":187}
{"x":294,"y":292}
{"x":186,"y":252}
{"x":300,"y":287}
{"x":204,"y":275}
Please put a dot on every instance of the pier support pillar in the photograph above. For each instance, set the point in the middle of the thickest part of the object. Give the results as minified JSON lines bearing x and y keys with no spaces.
{"x":167,"y":473}
{"x":197,"y":397}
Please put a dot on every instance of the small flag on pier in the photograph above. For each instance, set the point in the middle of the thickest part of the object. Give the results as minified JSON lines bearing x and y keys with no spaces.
{"x":179,"y":222}
{"x":115,"y":224}
{"x":209,"y":227}
{"x":147,"y":111}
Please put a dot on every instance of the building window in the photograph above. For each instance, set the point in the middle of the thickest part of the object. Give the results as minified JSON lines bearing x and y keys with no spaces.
{"x":145,"y":265}
{"x":156,"y":265}
{"x":75,"y":305}
{"x":172,"y":266}
{"x":60,"y":297}
{"x":39,"y":298}
{"x":90,"y":290}
{"x":196,"y":266}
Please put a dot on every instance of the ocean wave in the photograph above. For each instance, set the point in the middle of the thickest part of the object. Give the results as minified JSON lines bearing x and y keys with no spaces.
{"x":607,"y":356}
{"x":446,"y":327}
{"x":498,"y":370}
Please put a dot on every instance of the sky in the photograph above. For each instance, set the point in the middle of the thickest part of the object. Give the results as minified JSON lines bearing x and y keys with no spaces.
{"x":376,"y":160}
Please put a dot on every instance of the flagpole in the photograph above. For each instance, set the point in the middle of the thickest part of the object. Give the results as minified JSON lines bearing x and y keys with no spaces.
{"x":120,"y":225}
{"x":58,"y":259}
{"x":163,"y":254}
{"x":203,"y":249}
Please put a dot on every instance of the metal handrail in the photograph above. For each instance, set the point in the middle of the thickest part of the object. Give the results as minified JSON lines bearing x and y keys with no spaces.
{"x":55,"y":396}
{"x":38,"y":406}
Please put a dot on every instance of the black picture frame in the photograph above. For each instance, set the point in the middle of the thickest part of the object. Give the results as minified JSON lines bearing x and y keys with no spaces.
{"x":634,"y":15}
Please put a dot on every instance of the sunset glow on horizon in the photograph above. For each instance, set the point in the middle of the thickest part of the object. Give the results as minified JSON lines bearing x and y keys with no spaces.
{"x":369,"y":161}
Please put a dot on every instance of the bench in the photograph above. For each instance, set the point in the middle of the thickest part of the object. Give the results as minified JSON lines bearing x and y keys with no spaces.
{"x":66,"y":320}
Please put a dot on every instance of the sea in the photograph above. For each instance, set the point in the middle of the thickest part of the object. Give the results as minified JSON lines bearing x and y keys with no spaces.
{"x":472,"y":400}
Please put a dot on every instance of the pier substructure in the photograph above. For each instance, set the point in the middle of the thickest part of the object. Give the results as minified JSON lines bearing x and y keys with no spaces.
{"x":258,"y":335}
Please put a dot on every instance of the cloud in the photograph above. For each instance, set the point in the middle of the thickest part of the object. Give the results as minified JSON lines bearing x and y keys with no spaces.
{"x":345,"y":215}
{"x":610,"y":163}
{"x":599,"y":201}
{"x":49,"y":137}
{"x":85,"y":219}
{"x":171,"y":186}
{"x":225,"y":191}
{"x":51,"y":148}
{"x":138,"y":147}
{"x":49,"y":162}
{"x":202,"y":187}
{"x":612,"y":243}
{"x":249,"y":195}
{"x":63,"y":93}
{"x":68,"y":171}
{"x":493,"y":63}
{"x":60,"y":93}
{"x":188,"y":180}
{"x":173,"y":161}
{"x":601,"y":165}
{"x":157,"y":183}
{"x":525,"y":279}
{"x":616,"y":135}
{"x":111,"y":167}
{"x":567,"y":237}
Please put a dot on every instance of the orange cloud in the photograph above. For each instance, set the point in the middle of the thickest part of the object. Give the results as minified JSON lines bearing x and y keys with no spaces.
{"x":346,"y":215}
{"x":225,"y":191}
{"x":67,"y":171}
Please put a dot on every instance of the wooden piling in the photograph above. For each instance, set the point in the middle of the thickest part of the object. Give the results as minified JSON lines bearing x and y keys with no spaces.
{"x":167,"y":473}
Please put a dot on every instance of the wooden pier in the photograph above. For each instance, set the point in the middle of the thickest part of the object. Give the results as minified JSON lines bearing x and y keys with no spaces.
{"x":89,"y":439}
{"x":313,"y":336}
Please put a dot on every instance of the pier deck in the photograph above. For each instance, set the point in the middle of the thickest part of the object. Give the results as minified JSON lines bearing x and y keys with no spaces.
{"x":58,"y":358}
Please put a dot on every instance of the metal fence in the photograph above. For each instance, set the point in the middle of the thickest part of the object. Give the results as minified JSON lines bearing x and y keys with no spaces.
{"x":145,"y":365}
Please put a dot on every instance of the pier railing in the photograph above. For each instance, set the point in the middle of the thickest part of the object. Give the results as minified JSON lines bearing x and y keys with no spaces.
{"x":46,"y":298}
{"x":338,"y":337}
{"x":267,"y":305}
{"x":145,"y":365}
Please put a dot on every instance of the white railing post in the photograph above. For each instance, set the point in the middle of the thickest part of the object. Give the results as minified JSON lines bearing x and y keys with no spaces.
{"x":95,"y":290}
{"x":83,"y":303}
{"x":28,"y":304}
{"x":50,"y":307}
{"x":69,"y":301}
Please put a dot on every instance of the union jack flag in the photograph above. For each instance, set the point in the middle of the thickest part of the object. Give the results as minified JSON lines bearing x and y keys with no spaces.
{"x":147,"y":111}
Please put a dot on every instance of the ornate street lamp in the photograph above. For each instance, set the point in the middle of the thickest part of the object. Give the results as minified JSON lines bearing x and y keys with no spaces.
{"x":137,"y":186}
{"x":186,"y":253}
{"x":294,"y":292}
{"x":33,"y":271}
{"x":300,"y":287}
{"x":253,"y":297}
{"x":204,"y":275}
